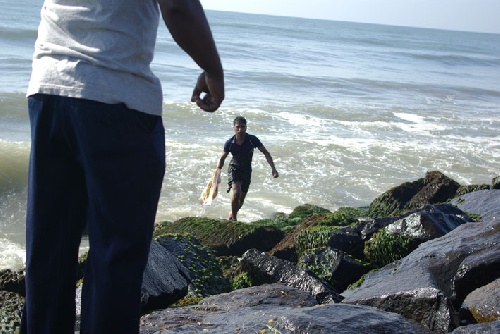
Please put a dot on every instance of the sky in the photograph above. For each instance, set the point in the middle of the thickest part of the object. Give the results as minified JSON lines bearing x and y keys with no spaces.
{"x":464,"y":15}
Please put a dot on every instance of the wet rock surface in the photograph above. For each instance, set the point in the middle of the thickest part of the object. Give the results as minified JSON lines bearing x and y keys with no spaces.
{"x":427,"y":284}
{"x":264,"y":268}
{"x":485,"y":203}
{"x":483,"y":304}
{"x":435,"y":187}
{"x":274,"y":308}
{"x":165,"y":279}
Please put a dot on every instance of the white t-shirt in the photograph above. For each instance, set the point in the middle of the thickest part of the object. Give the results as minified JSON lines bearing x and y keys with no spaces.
{"x":99,"y":50}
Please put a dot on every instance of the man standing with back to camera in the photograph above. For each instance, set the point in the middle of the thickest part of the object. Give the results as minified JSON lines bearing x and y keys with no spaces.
{"x":98,"y":154}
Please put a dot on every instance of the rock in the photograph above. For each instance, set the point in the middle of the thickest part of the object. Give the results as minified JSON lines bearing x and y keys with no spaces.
{"x":201,"y":264}
{"x":424,"y":285}
{"x":462,"y":190}
{"x":78,"y":301}
{"x":432,"y":221}
{"x":165,"y":279}
{"x":334,"y":267}
{"x":286,"y":248}
{"x":481,"y":267}
{"x":224,"y":237}
{"x":495,"y":183}
{"x":267,"y":294}
{"x":264,"y":269}
{"x":484,"y":302}
{"x":434,"y":188}
{"x":348,"y":240}
{"x":485,"y":203}
{"x":12,"y":281}
{"x":315,"y":229}
{"x":351,"y":239}
{"x":420,"y":225}
{"x":273,"y":308}
{"x":401,"y":237}
{"x":301,"y":212}
{"x":484,"y":328}
{"x":11,"y":306}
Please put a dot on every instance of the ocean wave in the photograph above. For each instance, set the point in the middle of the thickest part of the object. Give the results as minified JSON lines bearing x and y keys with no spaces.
{"x":453,"y":59}
{"x":13,"y":166}
{"x":12,"y":255}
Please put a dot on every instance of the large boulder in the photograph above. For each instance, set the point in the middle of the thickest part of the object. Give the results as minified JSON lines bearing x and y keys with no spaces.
{"x":313,"y":232}
{"x":286,"y":249}
{"x":431,"y":283}
{"x":226,"y":238}
{"x":264,"y":269}
{"x":11,"y":305}
{"x":202,"y":265}
{"x":12,"y":281}
{"x":495,"y":182}
{"x":333,"y":266}
{"x":274,"y":308}
{"x":483,"y":328}
{"x":434,"y":188}
{"x":483,"y":304}
{"x":484,"y":203}
{"x":12,"y":293}
{"x":165,"y":279}
{"x":401,"y":237}
{"x":432,"y":221}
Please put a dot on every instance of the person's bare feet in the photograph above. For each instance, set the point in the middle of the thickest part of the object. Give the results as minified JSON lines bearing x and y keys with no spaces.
{"x":231,"y":216}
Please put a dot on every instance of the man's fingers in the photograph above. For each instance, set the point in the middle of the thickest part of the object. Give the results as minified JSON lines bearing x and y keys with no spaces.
{"x":208,"y":103}
{"x":200,"y":87}
{"x":214,"y":92}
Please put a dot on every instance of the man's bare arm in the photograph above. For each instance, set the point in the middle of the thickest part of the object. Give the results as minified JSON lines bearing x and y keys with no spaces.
{"x":270,"y":161}
{"x":223,"y":157}
{"x":188,"y":25}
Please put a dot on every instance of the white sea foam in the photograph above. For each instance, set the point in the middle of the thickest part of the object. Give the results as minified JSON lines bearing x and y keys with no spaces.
{"x":12,"y":255}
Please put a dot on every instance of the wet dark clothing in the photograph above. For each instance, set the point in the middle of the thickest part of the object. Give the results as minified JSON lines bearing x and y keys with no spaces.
{"x":240,"y":166}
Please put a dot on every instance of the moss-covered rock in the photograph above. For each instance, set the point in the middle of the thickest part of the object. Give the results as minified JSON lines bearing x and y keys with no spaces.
{"x":11,"y":305}
{"x":312,"y":238}
{"x":333,"y":266}
{"x":204,"y":269}
{"x":301,"y":212}
{"x":224,"y":237}
{"x":319,"y":227}
{"x":462,"y":190}
{"x":495,"y":183}
{"x":241,"y":281}
{"x":435,"y":187}
{"x":384,"y":248}
{"x":12,"y":281}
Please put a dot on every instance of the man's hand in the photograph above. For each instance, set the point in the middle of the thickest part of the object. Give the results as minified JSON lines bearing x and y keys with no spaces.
{"x":275,"y":173}
{"x":213,"y":87}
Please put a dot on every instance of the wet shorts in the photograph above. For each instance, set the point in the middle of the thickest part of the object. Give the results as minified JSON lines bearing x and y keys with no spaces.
{"x":236,"y":175}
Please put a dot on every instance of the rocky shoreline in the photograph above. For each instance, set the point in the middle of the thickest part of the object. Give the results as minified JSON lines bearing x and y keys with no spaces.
{"x":424,"y":257}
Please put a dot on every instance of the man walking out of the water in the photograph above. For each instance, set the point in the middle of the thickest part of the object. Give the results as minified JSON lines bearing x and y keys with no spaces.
{"x":98,"y":154}
{"x":241,"y":146}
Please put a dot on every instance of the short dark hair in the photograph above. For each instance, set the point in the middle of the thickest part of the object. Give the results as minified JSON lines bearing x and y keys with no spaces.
{"x":240,"y":119}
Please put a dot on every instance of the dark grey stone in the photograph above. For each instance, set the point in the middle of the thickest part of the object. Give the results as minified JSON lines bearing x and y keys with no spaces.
{"x":274,"y":309}
{"x":423,"y":285}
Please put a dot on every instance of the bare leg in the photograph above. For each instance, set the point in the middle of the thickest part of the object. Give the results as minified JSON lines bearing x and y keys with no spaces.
{"x":237,"y":200}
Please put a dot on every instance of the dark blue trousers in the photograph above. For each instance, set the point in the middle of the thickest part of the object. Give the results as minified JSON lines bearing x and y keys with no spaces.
{"x":101,"y":166}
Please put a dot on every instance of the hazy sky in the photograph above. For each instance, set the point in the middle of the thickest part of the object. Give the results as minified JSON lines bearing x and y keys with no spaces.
{"x":467,"y":15}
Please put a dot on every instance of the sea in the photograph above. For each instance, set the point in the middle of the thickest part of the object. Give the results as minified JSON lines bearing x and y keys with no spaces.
{"x":347,"y":111}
